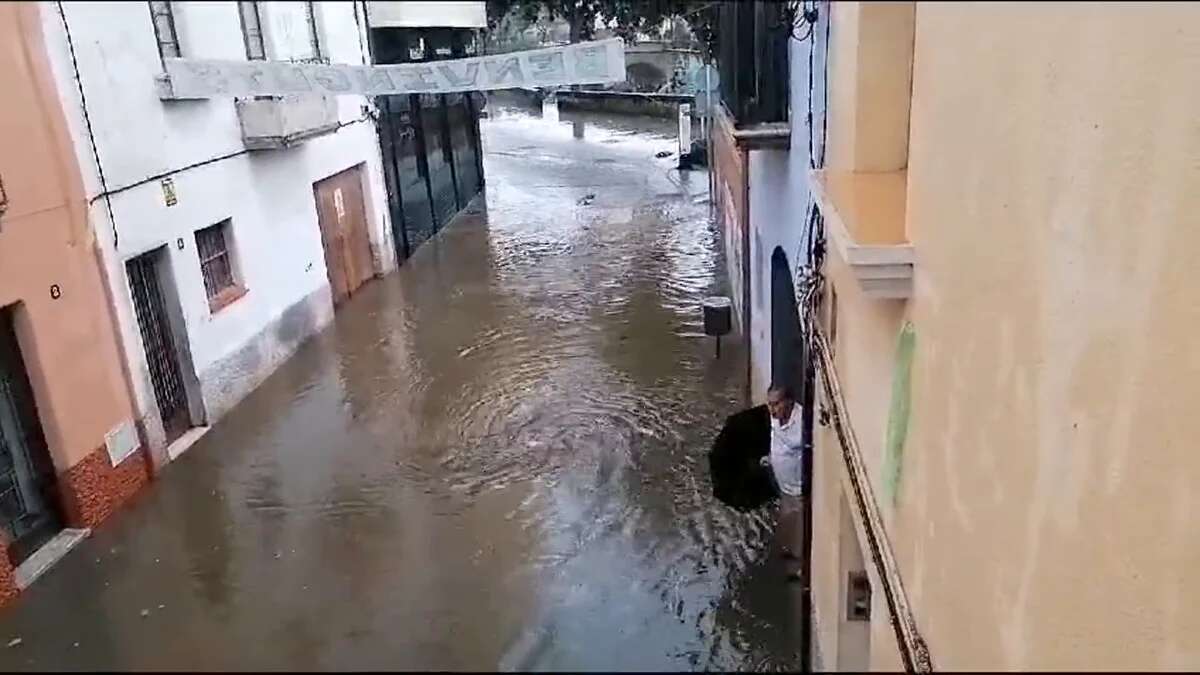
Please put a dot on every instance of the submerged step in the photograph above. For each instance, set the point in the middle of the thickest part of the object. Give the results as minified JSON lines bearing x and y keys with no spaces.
{"x":45,"y":557}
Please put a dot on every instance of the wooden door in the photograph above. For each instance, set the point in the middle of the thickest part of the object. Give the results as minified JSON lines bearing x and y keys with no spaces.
{"x":342,"y":216}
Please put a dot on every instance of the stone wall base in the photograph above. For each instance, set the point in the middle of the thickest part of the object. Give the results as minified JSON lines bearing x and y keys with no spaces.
{"x":8,"y":576}
{"x":93,"y":489}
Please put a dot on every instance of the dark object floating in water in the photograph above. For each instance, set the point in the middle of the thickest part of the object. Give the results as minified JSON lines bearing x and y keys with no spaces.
{"x":739,"y":479}
{"x":696,"y":156}
{"x":663,"y":153}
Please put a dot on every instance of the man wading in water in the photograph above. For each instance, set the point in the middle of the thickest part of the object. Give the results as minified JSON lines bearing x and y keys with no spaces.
{"x":786,"y":460}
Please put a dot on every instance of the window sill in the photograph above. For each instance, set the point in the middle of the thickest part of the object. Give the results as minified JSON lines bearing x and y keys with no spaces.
{"x":776,"y":135}
{"x":865,"y":221}
{"x":226,"y":298}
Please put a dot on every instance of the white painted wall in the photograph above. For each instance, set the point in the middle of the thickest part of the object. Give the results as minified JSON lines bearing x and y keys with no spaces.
{"x":286,"y":31}
{"x":778,"y":206}
{"x":417,"y":13}
{"x":267,"y":194}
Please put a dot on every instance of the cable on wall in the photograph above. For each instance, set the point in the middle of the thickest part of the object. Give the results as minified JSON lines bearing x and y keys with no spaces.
{"x":87,"y":121}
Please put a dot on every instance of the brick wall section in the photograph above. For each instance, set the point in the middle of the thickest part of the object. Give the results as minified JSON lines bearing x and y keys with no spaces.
{"x":731,"y":194}
{"x":8,"y":579}
{"x":93,"y":489}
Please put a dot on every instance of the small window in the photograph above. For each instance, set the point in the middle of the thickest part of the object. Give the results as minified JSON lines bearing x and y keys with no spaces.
{"x":416,"y":52}
{"x":216,"y":265}
{"x":252,"y":31}
{"x":164,"y":29}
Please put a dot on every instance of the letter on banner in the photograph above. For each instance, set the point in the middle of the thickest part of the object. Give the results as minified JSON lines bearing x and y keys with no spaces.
{"x":547,"y":67}
{"x":332,"y":79}
{"x":417,"y":79}
{"x":466,"y":80}
{"x":292,"y":79}
{"x":373,"y":80}
{"x":254,"y":77}
{"x":499,"y":69}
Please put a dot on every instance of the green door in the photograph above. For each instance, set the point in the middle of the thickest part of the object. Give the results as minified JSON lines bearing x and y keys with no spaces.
{"x":27,"y":487}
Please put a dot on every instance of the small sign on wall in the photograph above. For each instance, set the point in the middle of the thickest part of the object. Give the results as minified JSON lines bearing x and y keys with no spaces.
{"x":339,"y":204}
{"x":121,"y":441}
{"x":168,"y":188}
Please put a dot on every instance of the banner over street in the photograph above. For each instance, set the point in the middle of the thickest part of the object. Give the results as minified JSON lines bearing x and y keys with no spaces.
{"x":597,"y":62}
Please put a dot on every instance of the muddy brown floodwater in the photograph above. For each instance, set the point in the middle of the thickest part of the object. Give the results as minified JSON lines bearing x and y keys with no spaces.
{"x":494,"y":459}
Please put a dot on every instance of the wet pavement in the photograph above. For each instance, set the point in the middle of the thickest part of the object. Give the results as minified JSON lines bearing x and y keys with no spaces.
{"x":494,"y":459}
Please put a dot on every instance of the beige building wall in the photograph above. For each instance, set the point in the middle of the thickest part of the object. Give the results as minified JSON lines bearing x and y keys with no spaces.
{"x":68,"y":343}
{"x":1046,"y":508}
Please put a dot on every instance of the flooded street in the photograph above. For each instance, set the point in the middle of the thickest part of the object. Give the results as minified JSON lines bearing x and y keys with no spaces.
{"x":494,"y":459}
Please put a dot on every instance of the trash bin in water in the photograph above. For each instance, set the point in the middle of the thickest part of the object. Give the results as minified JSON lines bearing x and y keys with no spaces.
{"x":718,"y":318}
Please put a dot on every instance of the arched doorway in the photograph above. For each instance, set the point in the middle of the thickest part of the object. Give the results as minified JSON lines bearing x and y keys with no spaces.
{"x":786,"y":343}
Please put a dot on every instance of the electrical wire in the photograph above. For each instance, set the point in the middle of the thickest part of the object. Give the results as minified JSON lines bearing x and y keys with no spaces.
{"x":212,"y":160}
{"x":87,"y":121}
{"x":812,"y":236}
{"x":801,"y":18}
{"x":825,"y":87}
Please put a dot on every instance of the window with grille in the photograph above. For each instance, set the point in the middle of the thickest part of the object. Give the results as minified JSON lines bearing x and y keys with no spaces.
{"x":164,"y":29}
{"x":216,"y":261}
{"x":252,"y":31}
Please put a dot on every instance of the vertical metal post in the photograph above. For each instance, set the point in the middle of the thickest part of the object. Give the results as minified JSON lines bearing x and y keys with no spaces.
{"x":685,"y":128}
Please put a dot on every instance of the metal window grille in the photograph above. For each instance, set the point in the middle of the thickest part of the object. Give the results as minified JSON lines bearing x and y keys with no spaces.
{"x":12,"y":502}
{"x":158,"y":343}
{"x":252,"y":30}
{"x":164,"y":29}
{"x":216,"y":264}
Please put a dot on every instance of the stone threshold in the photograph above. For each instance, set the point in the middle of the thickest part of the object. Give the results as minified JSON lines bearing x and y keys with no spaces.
{"x":48,"y":555}
{"x":187,"y":440}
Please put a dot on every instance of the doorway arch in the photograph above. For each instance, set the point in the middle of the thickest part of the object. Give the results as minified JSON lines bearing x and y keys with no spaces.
{"x":786,"y":343}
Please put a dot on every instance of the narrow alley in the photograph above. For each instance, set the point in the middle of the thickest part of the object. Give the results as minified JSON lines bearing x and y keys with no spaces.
{"x":493,"y":459}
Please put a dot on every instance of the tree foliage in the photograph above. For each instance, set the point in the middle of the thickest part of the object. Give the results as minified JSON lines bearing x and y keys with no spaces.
{"x":625,"y":17}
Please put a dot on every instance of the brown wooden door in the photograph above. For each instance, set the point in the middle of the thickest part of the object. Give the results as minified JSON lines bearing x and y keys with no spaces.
{"x":342,"y":215}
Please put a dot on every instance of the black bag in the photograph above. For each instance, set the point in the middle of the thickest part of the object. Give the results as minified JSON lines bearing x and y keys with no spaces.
{"x":738,"y":477}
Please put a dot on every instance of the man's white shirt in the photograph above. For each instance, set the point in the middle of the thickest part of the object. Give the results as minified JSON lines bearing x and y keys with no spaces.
{"x":787,"y":453}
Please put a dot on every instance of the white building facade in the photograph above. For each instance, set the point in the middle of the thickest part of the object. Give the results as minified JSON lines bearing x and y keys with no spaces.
{"x":765,"y":139}
{"x":228,"y":229}
{"x":780,"y":206}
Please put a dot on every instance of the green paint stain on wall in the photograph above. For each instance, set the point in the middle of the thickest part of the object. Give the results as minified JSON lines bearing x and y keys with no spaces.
{"x":898,"y":412}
